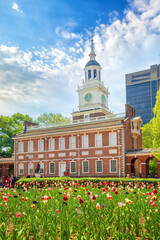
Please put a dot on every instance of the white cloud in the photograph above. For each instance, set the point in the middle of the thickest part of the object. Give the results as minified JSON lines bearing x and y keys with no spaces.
{"x":113,"y":16}
{"x":16,"y":7}
{"x":35,"y":81}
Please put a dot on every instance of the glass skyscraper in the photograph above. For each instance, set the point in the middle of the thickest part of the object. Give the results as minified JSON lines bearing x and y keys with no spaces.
{"x":141,"y":90}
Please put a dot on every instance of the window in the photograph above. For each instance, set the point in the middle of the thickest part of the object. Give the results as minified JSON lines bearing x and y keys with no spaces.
{"x":99,"y":166}
{"x":72,"y":167}
{"x":86,"y":118}
{"x":98,"y":140}
{"x":72,"y":142}
{"x":51,"y":167}
{"x":89,"y":74}
{"x":61,"y":143}
{"x":21,"y":147}
{"x":30,"y":168}
{"x":95,"y":73}
{"x":84,"y":141}
{"x":51,"y":144}
{"x":41,"y":168}
{"x":40,"y":145}
{"x":85,"y":167}
{"x":113,"y":165}
{"x":21,"y":169}
{"x":30,"y":146}
{"x":113,"y":138}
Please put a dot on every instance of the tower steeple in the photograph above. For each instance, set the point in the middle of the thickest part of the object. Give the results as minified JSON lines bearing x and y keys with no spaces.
{"x":92,"y":53}
{"x":93,"y":96}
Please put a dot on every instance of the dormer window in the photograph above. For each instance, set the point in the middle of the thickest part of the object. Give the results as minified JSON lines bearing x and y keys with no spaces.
{"x":95,"y":73}
{"x":89,"y":74}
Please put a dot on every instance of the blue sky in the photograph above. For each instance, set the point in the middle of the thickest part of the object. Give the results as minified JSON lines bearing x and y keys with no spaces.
{"x":34,"y":23}
{"x":44,"y":46}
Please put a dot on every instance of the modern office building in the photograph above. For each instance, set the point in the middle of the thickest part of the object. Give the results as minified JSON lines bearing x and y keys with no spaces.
{"x":141,"y":89}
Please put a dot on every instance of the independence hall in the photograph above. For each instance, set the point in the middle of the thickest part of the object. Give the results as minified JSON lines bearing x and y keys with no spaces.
{"x":95,"y":143}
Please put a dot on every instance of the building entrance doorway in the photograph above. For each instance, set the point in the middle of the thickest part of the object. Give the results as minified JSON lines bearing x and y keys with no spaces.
{"x":62,"y":168}
{"x":134,"y":168}
{"x":11,"y":170}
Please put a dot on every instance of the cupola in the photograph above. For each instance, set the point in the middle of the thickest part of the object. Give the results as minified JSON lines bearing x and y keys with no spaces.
{"x":92,"y":68}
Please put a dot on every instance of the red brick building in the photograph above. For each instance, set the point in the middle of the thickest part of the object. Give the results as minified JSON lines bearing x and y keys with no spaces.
{"x":6,"y":166}
{"x":94,"y":143}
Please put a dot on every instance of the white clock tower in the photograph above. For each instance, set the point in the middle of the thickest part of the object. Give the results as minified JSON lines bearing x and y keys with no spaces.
{"x":93,"y":96}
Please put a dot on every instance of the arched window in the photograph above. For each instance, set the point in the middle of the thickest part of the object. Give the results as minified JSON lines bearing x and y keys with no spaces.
{"x":89,"y":74}
{"x":95,"y":73}
{"x":99,"y":76}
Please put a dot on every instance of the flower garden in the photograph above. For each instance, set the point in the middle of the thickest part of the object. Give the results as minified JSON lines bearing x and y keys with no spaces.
{"x":80,"y":209}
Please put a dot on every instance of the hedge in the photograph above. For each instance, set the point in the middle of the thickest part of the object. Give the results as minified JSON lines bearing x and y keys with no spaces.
{"x":99,"y":181}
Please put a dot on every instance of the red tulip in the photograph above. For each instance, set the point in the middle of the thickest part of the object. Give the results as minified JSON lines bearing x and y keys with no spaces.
{"x":65,"y":198}
{"x":94,"y":197}
{"x":154,"y":191}
{"x":5,"y":199}
{"x":80,"y":200}
{"x":18,"y":215}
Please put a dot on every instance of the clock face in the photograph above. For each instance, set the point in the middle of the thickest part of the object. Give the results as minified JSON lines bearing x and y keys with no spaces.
{"x":88,"y":97}
{"x":103,"y":99}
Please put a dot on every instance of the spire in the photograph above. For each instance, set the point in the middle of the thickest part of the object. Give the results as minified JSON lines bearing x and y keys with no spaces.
{"x":92,"y":53}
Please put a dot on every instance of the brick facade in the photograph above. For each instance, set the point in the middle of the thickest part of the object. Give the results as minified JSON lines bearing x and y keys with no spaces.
{"x":62,"y":158}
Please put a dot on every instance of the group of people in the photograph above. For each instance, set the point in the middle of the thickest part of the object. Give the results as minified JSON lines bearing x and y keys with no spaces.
{"x":6,"y":181}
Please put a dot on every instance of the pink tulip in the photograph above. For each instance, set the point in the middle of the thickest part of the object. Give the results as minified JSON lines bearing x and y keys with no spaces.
{"x":120,"y":204}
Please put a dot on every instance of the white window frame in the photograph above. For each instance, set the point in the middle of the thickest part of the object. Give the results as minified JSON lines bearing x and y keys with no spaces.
{"x":39,"y":150}
{"x":83,"y":166}
{"x":86,"y":118}
{"x":96,"y":141}
{"x":50,"y":168}
{"x":30,"y":168}
{"x":75,"y":166}
{"x":99,"y":160}
{"x":111,"y":134}
{"x":21,"y":167}
{"x":51,"y":140}
{"x":60,"y":147}
{"x":85,"y":144}
{"x":41,"y":164}
{"x":21,"y":147}
{"x":29,"y":146}
{"x":72,"y":145}
{"x":110,"y":165}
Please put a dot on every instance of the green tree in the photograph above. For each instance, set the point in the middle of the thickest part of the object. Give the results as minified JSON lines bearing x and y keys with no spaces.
{"x":153,"y":167}
{"x":151,"y":136}
{"x":156,"y":127}
{"x":147,"y":137}
{"x":47,"y":118}
{"x":151,"y":130}
{"x":9,"y":126}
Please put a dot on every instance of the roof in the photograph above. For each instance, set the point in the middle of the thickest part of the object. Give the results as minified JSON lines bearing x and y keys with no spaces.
{"x":92,"y":62}
{"x":80,"y":124}
{"x":140,"y":151}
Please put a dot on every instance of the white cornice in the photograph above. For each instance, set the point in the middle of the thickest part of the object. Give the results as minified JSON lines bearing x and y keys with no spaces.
{"x":77,"y":131}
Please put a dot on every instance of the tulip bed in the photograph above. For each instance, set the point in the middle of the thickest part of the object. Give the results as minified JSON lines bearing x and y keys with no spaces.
{"x":75,"y":210}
